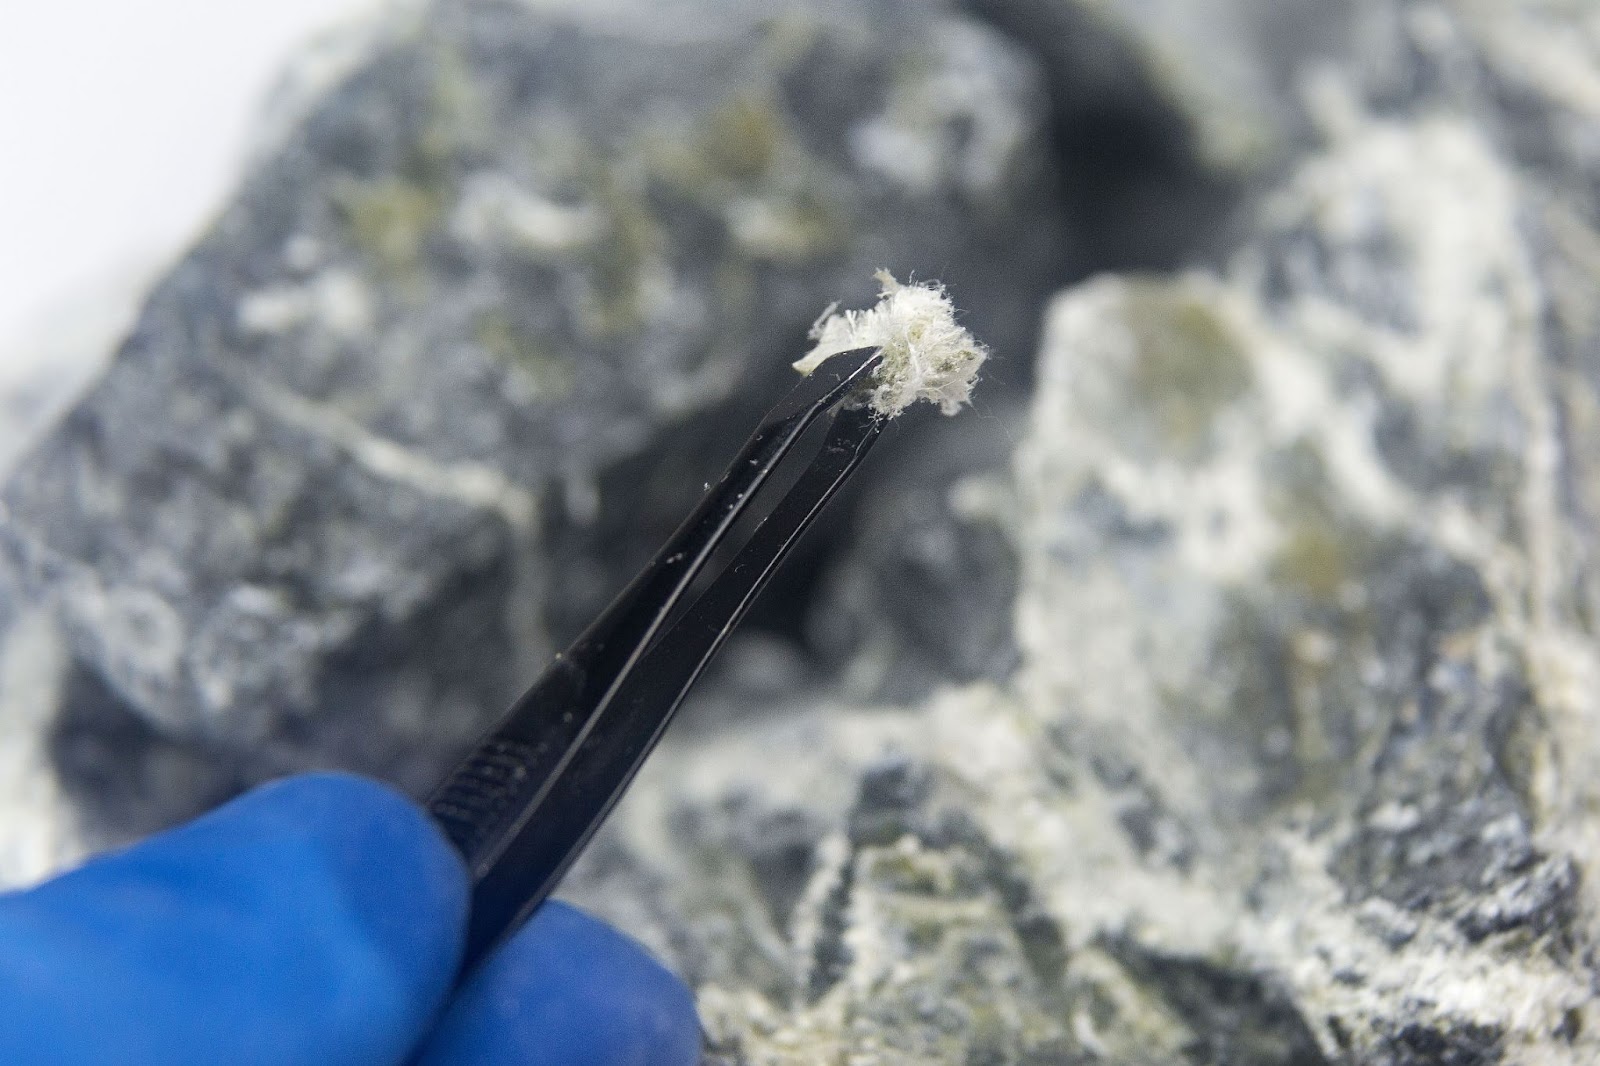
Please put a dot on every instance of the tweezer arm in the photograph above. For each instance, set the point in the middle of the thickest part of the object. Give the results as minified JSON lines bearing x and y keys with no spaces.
{"x":522,"y":804}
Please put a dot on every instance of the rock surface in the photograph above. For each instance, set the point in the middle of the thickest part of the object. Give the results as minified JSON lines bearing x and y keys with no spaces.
{"x":1237,"y":703}
{"x":923,"y":595}
{"x":1295,"y":767}
{"x":380,"y":438}
{"x":1222,"y":74}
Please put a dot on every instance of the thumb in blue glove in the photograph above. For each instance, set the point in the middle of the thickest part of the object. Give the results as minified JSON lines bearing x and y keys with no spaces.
{"x":318,"y":920}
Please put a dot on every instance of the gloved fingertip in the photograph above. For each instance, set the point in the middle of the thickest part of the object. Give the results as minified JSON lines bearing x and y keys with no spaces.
{"x":316,"y":919}
{"x":403,"y":881}
{"x":568,"y":990}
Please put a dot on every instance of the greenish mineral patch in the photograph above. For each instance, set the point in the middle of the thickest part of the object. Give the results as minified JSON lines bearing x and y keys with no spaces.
{"x":742,"y":140}
{"x":389,"y":220}
{"x":745,"y":164}
{"x":550,"y":376}
{"x":631,"y":241}
{"x":1187,"y":364}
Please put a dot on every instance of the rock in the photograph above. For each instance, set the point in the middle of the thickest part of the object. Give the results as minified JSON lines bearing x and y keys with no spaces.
{"x":42,"y":369}
{"x":42,"y":832}
{"x":1224,"y":72}
{"x":1294,"y":768}
{"x":1524,"y":73}
{"x":472,"y":334}
{"x":1238,"y":705}
{"x":1170,"y":113}
{"x":922,"y":592}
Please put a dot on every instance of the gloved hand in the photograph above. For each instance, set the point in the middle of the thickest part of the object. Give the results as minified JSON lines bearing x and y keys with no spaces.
{"x":315,"y":921}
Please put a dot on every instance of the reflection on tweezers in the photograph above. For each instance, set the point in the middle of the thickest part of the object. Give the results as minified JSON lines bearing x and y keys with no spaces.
{"x":527,"y":799}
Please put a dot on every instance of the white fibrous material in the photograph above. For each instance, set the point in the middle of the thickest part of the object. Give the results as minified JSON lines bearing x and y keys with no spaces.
{"x":926,"y":354}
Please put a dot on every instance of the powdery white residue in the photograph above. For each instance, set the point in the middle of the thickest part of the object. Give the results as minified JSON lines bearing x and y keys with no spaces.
{"x":926,"y":355}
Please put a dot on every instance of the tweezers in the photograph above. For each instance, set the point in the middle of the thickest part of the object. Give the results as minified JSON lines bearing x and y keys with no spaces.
{"x":522,"y":805}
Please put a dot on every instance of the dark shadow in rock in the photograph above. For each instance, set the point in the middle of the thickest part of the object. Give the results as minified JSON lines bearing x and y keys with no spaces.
{"x":1137,"y":195}
{"x":125,"y":779}
{"x":1237,"y":1018}
{"x":1463,"y":1044}
{"x":924,"y":595}
{"x":413,"y":696}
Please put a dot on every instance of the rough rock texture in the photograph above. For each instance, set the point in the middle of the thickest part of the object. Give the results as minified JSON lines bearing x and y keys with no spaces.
{"x":1297,"y":765}
{"x":1236,"y":704}
{"x":1169,"y":112}
{"x":1221,"y":74}
{"x":382,"y":434}
{"x":923,"y":595}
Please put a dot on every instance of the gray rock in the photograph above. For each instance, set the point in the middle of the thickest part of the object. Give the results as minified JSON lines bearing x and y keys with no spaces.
{"x":1172,"y":113}
{"x":42,"y":831}
{"x":1523,"y":72}
{"x":921,"y":593}
{"x":1225,"y":70}
{"x":473,"y":333}
{"x":47,"y":363}
{"x":1295,"y":765}
{"x":1292,"y":764}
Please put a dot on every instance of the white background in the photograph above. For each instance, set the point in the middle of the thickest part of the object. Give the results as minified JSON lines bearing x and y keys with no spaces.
{"x":122,"y":123}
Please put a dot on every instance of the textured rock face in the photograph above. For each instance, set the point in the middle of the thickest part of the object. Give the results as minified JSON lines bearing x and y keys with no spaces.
{"x":1241,"y":82}
{"x":1169,"y":109}
{"x":1296,"y":765}
{"x":519,"y":263}
{"x":1223,"y":71}
{"x":1236,"y":703}
{"x":923,"y":597}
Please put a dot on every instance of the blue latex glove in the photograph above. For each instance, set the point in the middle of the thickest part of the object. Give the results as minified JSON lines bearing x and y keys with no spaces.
{"x":314,"y":921}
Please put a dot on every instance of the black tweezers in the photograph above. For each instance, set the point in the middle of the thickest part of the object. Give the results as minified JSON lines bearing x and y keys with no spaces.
{"x":527,"y":799}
